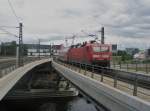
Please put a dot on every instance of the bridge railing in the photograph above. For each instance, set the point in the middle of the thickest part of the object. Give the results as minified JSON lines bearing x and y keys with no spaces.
{"x":134,"y":79}
{"x":98,"y":93}
{"x":132,"y":66}
{"x":8,"y":66}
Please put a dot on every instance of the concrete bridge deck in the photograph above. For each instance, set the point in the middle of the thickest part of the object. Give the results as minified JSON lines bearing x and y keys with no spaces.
{"x":111,"y":98}
{"x":8,"y":81}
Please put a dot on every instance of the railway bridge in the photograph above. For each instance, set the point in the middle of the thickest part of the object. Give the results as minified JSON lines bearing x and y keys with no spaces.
{"x":28,"y":79}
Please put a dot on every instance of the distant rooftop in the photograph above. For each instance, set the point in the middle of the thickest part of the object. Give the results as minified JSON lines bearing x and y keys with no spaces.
{"x":35,"y":46}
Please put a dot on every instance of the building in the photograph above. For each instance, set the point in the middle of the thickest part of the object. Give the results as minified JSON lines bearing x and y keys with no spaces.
{"x":8,"y":48}
{"x":132,"y":51}
{"x":0,"y":49}
{"x":148,"y":53}
{"x":56,"y":49}
{"x":36,"y":50}
{"x":140,"y":56}
{"x":114,"y":48}
{"x":42,"y":50}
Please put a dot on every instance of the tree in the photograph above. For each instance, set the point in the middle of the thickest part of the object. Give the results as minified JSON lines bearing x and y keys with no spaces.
{"x":8,"y":48}
{"x":124,"y":55}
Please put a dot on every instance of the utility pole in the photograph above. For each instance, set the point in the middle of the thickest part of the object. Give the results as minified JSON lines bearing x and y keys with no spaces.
{"x":102,"y":36}
{"x":39,"y":48}
{"x":20,"y":54}
{"x":50,"y":50}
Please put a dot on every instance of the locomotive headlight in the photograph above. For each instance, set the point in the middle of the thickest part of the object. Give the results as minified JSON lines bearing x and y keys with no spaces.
{"x":105,"y":56}
{"x":96,"y":56}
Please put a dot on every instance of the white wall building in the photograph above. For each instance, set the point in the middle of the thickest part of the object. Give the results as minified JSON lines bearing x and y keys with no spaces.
{"x":33,"y":50}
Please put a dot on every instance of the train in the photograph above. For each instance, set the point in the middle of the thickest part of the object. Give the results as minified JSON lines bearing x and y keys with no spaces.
{"x":89,"y":52}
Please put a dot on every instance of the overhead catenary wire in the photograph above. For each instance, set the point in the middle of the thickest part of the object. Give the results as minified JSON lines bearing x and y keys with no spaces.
{"x":8,"y":26}
{"x":9,"y":33}
{"x":13,"y":11}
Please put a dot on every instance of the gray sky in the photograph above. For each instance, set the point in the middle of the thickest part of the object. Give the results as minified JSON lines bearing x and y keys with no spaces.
{"x":126,"y":22}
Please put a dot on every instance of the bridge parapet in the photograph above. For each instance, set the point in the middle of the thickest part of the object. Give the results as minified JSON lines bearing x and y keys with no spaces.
{"x":7,"y":65}
{"x":8,"y":81}
{"x":113,"y":99}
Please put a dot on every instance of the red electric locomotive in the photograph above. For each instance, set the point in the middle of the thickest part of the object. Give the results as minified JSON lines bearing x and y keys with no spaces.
{"x":91,"y":53}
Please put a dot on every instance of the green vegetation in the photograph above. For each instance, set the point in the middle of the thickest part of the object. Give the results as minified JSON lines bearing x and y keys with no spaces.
{"x":123,"y":60}
{"x":8,"y":48}
{"x":122,"y":56}
{"x":146,"y":61}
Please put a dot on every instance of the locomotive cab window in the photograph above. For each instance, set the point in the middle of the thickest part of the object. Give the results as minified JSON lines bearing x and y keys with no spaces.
{"x":96,"y":49}
{"x":101,"y":49}
{"x":104,"y":48}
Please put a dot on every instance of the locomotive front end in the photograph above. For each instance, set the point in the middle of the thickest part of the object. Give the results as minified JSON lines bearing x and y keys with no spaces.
{"x":101,"y":55}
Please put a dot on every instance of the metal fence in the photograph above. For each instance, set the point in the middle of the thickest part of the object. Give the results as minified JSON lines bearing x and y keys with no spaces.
{"x":132,"y":66}
{"x":134,"y":79}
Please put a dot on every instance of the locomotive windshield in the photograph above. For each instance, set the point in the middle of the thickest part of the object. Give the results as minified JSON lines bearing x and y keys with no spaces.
{"x":101,"y":49}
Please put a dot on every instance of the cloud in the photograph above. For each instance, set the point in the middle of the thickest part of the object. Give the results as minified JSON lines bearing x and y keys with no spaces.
{"x":125,"y":21}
